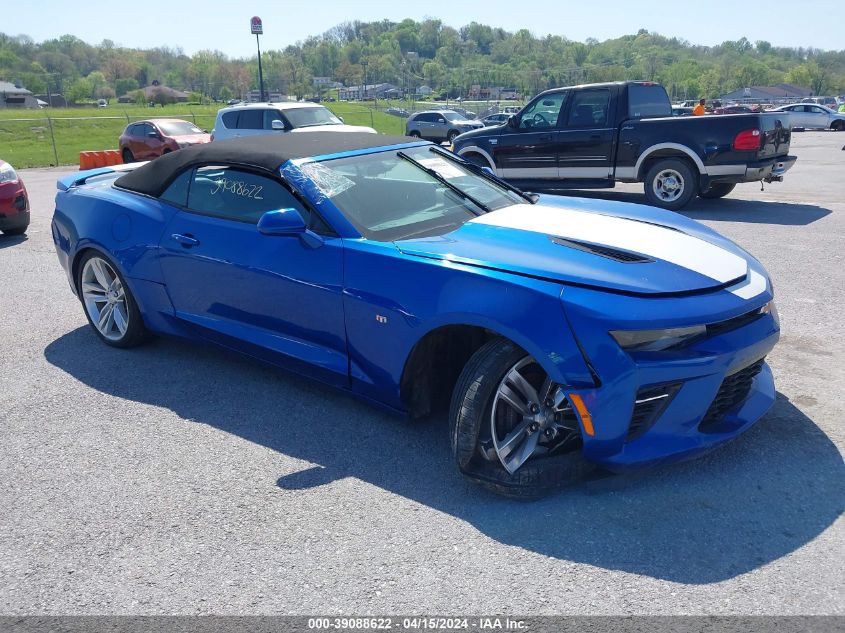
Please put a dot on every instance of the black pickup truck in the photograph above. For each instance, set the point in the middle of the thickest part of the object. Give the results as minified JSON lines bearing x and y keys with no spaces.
{"x":590,"y":136}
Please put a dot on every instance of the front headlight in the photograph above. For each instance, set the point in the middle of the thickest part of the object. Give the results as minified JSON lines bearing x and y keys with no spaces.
{"x":7,"y":174}
{"x":656,"y":340}
{"x":771,"y":308}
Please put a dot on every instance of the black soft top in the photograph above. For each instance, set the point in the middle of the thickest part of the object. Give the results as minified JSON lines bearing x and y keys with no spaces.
{"x":266,"y":151}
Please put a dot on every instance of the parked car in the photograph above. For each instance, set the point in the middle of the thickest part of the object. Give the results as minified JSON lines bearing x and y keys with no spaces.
{"x":565,"y":333}
{"x":439,"y":125}
{"x":14,"y":201}
{"x":594,"y":135}
{"x":734,"y":109}
{"x":102,"y":103}
{"x":469,"y":115}
{"x":399,"y":112}
{"x":145,"y":140}
{"x":255,"y":119}
{"x":495,"y":119}
{"x":812,"y":116}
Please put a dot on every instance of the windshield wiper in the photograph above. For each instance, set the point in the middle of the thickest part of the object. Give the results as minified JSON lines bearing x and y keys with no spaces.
{"x":479,"y":170}
{"x":439,"y":178}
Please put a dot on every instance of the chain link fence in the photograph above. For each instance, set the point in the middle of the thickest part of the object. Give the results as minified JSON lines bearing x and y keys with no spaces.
{"x":45,"y":141}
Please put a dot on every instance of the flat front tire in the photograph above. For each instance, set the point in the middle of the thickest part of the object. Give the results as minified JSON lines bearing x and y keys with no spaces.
{"x":108,"y":302}
{"x":670,"y":184}
{"x":511,"y":430}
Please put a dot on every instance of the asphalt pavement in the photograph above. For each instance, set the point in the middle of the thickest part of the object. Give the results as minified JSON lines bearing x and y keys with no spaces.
{"x":176,"y":479}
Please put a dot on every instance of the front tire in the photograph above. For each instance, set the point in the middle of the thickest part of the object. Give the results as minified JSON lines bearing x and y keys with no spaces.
{"x":503,"y":437}
{"x":452,"y":135}
{"x":717,"y":190}
{"x":108,"y":303}
{"x":670,"y":184}
{"x":414,"y":134}
{"x":127,"y":156}
{"x":837,"y":126}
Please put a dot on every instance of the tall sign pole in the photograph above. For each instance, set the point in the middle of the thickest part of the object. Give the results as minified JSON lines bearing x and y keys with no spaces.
{"x":256,"y":28}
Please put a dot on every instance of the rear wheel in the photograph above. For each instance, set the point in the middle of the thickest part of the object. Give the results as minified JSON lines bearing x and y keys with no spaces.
{"x":127,"y":156}
{"x":718,"y":190}
{"x":512,"y":429}
{"x":670,"y":184}
{"x":109,"y":305}
{"x":414,"y":134}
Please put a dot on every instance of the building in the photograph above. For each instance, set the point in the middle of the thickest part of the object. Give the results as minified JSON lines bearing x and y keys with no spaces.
{"x":424,"y":91}
{"x":273,"y":96}
{"x":326,"y":83}
{"x":150,"y":92}
{"x":768,"y":94}
{"x":16,"y":96}
{"x":370,"y":91}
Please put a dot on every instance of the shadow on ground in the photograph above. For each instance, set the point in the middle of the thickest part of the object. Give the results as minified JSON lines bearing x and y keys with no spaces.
{"x":754,"y":501}
{"x":727,"y":209}
{"x":11,"y":240}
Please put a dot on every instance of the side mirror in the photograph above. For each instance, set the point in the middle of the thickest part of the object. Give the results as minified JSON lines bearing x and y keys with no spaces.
{"x":281,"y":222}
{"x":341,"y":119}
{"x":276,"y":124}
{"x":512,"y":121}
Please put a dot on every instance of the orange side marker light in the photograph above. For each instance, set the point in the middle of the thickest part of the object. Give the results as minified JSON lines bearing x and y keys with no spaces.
{"x":586,"y":420}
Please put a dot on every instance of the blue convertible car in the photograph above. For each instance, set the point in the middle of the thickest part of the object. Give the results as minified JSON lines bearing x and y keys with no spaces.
{"x":560,"y":333}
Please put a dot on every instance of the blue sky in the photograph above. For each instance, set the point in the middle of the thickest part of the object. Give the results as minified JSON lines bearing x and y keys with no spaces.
{"x":194,"y":25}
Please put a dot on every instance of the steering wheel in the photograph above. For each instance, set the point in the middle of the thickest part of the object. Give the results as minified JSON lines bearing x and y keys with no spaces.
{"x":540,"y":120}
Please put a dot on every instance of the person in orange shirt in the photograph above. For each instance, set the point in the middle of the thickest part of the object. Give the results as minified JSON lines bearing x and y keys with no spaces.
{"x":699,"y":109}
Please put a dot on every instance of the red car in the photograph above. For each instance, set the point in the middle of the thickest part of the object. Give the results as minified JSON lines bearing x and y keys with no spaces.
{"x":14,"y":202}
{"x":145,"y":140}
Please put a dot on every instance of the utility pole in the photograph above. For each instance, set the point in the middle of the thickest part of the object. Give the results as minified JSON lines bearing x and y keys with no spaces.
{"x":257,"y":28}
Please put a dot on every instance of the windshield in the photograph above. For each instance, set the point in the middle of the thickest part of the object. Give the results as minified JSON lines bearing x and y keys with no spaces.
{"x":309,"y":117}
{"x":453,"y":116}
{"x":388,"y":197}
{"x":178,"y":128}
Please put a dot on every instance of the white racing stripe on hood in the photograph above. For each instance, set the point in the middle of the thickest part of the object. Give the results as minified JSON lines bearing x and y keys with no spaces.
{"x":648,"y":239}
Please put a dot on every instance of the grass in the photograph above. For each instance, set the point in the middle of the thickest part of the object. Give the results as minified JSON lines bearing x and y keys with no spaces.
{"x":26,"y":141}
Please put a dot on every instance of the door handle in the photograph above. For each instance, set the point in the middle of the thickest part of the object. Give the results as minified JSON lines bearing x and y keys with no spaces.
{"x":185,"y":240}
{"x":545,"y":137}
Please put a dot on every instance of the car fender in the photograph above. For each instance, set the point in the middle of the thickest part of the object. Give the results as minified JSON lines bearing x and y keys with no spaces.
{"x":469,"y":149}
{"x":672,"y":146}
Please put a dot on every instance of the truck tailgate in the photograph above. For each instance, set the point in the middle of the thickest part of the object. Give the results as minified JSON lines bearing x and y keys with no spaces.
{"x":777,"y":134}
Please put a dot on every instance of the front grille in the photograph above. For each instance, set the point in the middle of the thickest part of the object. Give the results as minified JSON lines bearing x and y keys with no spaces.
{"x":734,"y":390}
{"x":720,"y":327}
{"x":648,"y":405}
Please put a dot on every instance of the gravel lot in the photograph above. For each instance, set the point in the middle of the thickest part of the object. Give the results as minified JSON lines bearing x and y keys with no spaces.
{"x":178,"y":479}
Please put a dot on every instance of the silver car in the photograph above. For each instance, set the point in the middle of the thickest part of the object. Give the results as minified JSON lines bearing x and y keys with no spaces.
{"x":439,"y":125}
{"x":809,"y":115}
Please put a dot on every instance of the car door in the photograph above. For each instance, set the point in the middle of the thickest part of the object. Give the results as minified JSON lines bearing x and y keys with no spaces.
{"x":585,"y":140}
{"x":135,"y":140}
{"x":818,"y":117}
{"x":528,"y":150}
{"x":251,"y":122}
{"x":274,"y":297}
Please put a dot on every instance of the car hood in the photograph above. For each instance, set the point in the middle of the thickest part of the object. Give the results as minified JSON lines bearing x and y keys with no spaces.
{"x":614,"y":246}
{"x":192,"y":138}
{"x":335,"y":128}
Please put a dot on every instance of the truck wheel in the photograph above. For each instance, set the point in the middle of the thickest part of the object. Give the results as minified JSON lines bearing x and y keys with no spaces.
{"x":476,"y":159}
{"x":670,"y":184}
{"x":717,"y":190}
{"x":508,"y":433}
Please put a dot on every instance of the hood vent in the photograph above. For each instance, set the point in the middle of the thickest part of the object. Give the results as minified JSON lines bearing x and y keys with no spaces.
{"x":625,"y":257}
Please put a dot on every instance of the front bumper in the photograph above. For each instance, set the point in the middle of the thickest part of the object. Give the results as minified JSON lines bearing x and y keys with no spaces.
{"x":16,"y":220}
{"x":714,"y":389}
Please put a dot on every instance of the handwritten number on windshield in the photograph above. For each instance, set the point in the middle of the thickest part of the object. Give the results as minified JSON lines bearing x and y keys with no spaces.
{"x":239,"y":188}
